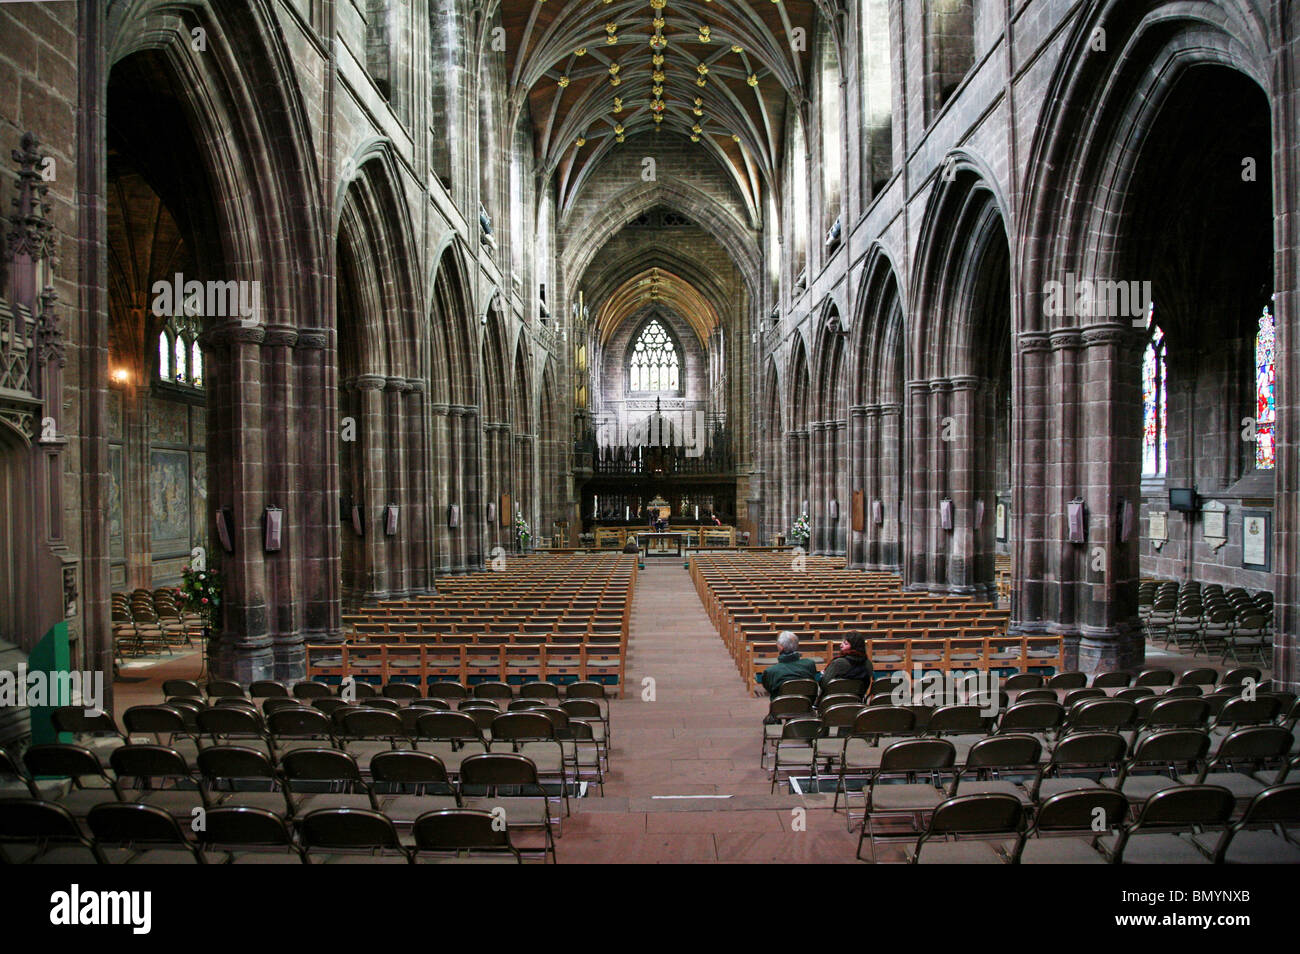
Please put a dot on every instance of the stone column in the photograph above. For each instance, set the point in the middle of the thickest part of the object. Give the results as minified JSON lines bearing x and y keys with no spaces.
{"x":1066,"y":563}
{"x":245,"y":652}
{"x":859,"y":465}
{"x":283,"y":484}
{"x":375,"y":470}
{"x":963,"y":470}
{"x":947,"y":438}
{"x":921,"y":460}
{"x":1111,"y":637}
{"x":318,"y":551}
{"x":889,"y":549}
{"x":415,"y":518}
{"x":476,"y":539}
{"x":135,"y":488}
{"x":819,"y":486}
{"x":398,"y":465}
{"x":442,"y":488}
{"x":1027,"y":532}
{"x":837,"y":435}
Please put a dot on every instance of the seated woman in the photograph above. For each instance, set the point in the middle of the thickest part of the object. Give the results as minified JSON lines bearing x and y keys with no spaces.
{"x":852,"y":661}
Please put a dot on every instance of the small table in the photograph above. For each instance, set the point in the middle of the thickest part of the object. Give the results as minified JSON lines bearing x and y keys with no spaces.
{"x":662,"y":538}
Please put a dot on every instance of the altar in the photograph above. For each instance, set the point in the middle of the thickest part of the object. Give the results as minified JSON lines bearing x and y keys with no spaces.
{"x":657,"y":544}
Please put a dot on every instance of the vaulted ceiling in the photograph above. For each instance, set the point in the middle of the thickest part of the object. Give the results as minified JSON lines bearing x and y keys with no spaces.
{"x":657,"y":286}
{"x":721,"y":73}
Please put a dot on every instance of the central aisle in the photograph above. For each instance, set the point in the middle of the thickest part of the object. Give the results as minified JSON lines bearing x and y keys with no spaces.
{"x":698,"y":735}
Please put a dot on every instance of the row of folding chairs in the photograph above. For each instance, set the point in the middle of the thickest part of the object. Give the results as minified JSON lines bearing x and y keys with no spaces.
{"x":1204,"y":677}
{"x":146,"y":622}
{"x":568,"y":741}
{"x":39,"y":832}
{"x":910,"y":777}
{"x":401,"y":691}
{"x":403,"y":784}
{"x":838,"y":716}
{"x":1183,"y":824}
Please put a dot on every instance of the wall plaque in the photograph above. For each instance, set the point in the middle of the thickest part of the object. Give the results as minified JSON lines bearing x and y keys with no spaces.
{"x":1256,"y":539}
{"x":1214,"y":523}
{"x":1158,"y":528}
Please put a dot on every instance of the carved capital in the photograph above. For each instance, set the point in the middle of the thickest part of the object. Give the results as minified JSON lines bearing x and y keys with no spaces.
{"x":281,"y":336}
{"x":1031,"y":341}
{"x":315,"y":338}
{"x":1110,"y":335}
{"x":1065,"y":340}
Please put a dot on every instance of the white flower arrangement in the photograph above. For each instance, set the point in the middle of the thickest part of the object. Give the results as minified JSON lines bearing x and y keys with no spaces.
{"x":801,"y":530}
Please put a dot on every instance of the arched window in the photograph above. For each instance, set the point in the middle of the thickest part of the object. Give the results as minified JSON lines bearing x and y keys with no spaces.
{"x":1154,"y":381}
{"x":164,"y":356}
{"x":654,"y":364}
{"x":1265,"y":388}
{"x":831,"y":147}
{"x":799,"y":170}
{"x":180,"y":359}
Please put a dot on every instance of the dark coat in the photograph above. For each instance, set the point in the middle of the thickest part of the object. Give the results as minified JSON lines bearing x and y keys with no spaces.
{"x":788,"y":666}
{"x":849,"y":666}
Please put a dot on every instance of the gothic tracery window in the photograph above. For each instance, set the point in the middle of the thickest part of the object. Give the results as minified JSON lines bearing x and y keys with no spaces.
{"x":1265,"y":387}
{"x":1154,"y":389}
{"x":180,"y":359}
{"x":654,"y":364}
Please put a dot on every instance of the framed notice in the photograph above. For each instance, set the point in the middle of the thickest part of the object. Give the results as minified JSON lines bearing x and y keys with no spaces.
{"x":1214,"y":523}
{"x":1257,"y":539}
{"x":859,"y":511}
{"x":505,"y":512}
{"x":1159,"y":527}
{"x":1000,"y":521}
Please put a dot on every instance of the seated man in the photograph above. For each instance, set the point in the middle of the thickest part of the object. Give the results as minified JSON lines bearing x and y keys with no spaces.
{"x":788,"y":665}
{"x":852,"y":661}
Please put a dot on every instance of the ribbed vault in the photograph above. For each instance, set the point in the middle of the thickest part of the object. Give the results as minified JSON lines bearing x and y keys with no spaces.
{"x":657,"y":285}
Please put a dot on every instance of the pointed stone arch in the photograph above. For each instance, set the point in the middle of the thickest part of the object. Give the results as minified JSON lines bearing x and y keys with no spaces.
{"x":1087,"y":218}
{"x":243,"y":126}
{"x":877,"y":432}
{"x":957,"y":377}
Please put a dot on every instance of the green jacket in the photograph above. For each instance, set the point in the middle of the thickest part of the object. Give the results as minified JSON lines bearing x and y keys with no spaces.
{"x":788,"y":666}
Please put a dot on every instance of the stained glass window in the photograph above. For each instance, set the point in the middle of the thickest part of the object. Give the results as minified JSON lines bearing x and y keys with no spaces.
{"x":164,"y":356}
{"x":654,"y":365}
{"x":1154,"y":383}
{"x":180,"y":359}
{"x":1265,"y":387}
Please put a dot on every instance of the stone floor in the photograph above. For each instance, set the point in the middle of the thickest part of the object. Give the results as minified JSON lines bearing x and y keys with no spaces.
{"x":685,"y":728}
